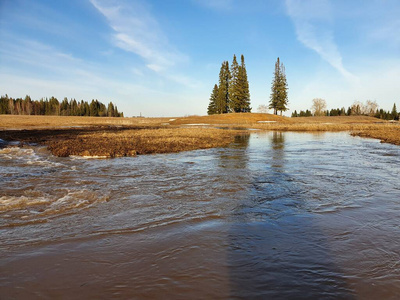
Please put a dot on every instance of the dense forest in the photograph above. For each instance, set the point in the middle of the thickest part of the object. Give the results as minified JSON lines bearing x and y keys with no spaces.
{"x":53,"y":107}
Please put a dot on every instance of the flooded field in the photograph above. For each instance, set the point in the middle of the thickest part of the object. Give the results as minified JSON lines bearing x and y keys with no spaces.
{"x":274,"y":215}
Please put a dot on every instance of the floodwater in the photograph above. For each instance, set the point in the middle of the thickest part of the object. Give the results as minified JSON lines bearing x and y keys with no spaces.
{"x":272,"y":216}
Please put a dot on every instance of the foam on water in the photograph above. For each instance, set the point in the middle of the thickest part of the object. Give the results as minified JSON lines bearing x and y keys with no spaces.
{"x":37,"y":206}
{"x":89,"y":157}
{"x":15,"y":153}
{"x":29,"y":156}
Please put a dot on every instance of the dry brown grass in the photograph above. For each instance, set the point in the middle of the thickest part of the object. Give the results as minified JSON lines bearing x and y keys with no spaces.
{"x":111,"y":137}
{"x":39,"y":122}
{"x":146,"y":141}
{"x":387,"y":133}
{"x":236,"y":119}
{"x":317,"y":126}
{"x":338,"y":120}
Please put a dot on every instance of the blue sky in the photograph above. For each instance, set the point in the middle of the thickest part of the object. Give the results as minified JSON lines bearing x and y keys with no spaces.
{"x":162,"y":57}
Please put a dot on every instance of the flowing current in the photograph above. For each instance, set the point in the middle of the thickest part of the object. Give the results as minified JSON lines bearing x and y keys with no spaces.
{"x":274,"y":215}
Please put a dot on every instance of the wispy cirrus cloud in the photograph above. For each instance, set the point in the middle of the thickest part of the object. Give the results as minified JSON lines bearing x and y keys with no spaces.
{"x":313,"y":24}
{"x":137,"y":31}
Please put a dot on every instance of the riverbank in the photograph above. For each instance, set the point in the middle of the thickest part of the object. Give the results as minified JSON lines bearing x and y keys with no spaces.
{"x":114,"y":137}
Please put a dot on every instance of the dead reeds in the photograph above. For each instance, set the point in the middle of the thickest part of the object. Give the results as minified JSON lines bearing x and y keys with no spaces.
{"x":146,"y":141}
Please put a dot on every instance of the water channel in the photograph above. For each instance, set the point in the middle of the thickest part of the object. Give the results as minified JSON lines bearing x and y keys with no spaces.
{"x":273,"y":216}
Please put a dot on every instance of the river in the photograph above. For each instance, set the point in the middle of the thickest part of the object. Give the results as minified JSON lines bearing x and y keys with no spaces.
{"x":272,"y":216}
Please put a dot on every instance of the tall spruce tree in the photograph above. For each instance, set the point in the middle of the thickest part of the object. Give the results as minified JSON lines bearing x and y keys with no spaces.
{"x":395,"y":115}
{"x":239,"y":93}
{"x":212,"y":107}
{"x":244,"y":84}
{"x":234,"y":87}
{"x":279,"y":96}
{"x":223,"y":89}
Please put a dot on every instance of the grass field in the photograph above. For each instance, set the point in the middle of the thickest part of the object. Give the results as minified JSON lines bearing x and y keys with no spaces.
{"x":111,"y":137}
{"x":39,"y":122}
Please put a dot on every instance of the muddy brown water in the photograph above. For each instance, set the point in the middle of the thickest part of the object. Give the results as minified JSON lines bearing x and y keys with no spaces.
{"x":272,"y":216}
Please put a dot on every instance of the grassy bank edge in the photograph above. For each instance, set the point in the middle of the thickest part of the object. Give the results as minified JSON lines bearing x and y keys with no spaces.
{"x":111,"y":138}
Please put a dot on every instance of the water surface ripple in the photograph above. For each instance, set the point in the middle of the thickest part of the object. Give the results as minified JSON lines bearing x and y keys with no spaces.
{"x":274,"y":215}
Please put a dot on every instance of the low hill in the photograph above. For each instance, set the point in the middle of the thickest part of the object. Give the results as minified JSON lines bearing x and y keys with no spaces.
{"x":231,"y":119}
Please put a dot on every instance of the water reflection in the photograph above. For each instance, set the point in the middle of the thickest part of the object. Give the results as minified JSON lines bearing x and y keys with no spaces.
{"x":274,"y":251}
{"x":236,"y":157}
{"x":274,"y":215}
{"x":278,"y":149}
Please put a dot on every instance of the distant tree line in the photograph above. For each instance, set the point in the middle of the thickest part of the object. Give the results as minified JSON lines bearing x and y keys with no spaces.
{"x":53,"y":107}
{"x":232,"y":93}
{"x":370,"y":108}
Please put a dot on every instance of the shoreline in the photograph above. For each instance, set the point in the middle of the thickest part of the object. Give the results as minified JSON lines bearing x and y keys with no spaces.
{"x":115,"y":137}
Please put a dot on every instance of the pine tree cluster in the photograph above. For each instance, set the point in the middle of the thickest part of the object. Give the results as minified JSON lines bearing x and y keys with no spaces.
{"x":232,"y":93}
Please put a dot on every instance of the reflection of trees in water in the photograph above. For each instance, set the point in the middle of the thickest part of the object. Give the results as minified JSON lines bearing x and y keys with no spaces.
{"x":275,"y":250}
{"x":242,"y":140}
{"x":278,"y":139}
{"x":235,"y":157}
{"x":278,"y":149}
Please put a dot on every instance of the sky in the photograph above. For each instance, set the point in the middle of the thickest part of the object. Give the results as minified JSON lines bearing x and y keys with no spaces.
{"x":162,"y":57}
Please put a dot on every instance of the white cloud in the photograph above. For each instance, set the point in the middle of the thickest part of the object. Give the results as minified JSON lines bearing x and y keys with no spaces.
{"x":40,"y":57}
{"x":137,"y":31}
{"x":313,"y":24}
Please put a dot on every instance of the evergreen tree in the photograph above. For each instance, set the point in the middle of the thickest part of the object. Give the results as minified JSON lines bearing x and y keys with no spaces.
{"x":110,"y":110}
{"x":74,"y":108}
{"x":239,"y":94}
{"x":244,"y":84}
{"x":279,"y":97}
{"x":64,"y":107}
{"x":234,"y":87}
{"x":52,"y":106}
{"x":232,"y":92}
{"x":223,"y":89}
{"x":395,"y":115}
{"x":27,"y":105}
{"x":102,"y":110}
{"x":94,"y":110}
{"x":87,"y":109}
{"x":212,"y":107}
{"x":81,"y":108}
{"x":4,"y":104}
